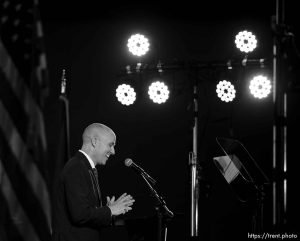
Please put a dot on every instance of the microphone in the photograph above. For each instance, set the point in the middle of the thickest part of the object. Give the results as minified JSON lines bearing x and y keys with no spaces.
{"x":129,"y":163}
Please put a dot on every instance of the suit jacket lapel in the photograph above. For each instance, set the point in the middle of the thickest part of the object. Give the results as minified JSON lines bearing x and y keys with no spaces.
{"x":94,"y":182}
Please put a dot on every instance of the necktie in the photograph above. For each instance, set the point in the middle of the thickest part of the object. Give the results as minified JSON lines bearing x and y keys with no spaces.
{"x":96,"y":174}
{"x":97,"y":184}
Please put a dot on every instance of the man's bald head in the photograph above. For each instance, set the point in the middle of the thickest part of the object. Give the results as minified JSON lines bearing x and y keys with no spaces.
{"x":98,"y":141}
{"x":95,"y":130}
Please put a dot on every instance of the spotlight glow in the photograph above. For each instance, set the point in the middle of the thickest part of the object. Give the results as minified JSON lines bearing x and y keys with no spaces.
{"x":225,"y":90}
{"x":158,"y":92}
{"x":138,"y":44}
{"x":245,"y":41}
{"x":125,"y":94}
{"x":260,"y":86}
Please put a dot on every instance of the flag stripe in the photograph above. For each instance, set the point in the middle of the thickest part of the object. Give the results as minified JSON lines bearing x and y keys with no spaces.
{"x":28,"y":167}
{"x":15,"y":111}
{"x":21,"y":106}
{"x":13,"y":106}
{"x":23,"y":191}
{"x":18,"y":215}
{"x":22,"y":92}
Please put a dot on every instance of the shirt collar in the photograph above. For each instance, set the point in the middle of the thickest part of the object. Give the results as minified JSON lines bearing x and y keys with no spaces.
{"x":89,"y":159}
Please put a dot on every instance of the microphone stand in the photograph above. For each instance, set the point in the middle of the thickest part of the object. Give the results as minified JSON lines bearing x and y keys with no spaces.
{"x":163,"y":212}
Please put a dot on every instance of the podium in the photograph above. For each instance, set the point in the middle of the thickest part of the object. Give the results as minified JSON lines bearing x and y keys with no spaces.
{"x":244,"y":176}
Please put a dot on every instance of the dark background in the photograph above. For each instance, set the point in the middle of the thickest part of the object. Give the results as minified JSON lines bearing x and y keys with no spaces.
{"x":88,"y":39}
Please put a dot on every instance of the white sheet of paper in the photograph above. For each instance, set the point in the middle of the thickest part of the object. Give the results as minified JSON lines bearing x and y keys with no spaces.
{"x":227,"y":167}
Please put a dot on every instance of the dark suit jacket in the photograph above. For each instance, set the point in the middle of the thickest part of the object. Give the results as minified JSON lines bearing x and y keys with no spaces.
{"x":78,"y":213}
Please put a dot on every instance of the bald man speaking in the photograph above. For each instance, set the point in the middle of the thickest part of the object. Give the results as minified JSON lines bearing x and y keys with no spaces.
{"x":79,"y":212}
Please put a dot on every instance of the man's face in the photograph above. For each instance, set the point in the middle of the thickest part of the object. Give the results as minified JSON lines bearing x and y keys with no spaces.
{"x":104,"y":147}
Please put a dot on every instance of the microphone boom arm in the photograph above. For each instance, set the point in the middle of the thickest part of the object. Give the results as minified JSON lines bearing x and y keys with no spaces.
{"x":148,"y":177}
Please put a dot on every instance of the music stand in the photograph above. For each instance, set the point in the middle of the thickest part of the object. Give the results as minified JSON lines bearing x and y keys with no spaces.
{"x":244,"y":176}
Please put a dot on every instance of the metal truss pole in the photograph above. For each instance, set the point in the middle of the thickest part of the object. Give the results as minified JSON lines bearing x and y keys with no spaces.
{"x":279,"y":185}
{"x":193,"y":169}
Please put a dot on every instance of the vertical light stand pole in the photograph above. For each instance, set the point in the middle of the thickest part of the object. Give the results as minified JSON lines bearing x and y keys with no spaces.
{"x":279,"y":185}
{"x":193,"y":168}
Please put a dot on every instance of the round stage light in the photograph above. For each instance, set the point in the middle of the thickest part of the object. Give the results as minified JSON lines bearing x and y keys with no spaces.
{"x":138,"y":44}
{"x":125,"y":94}
{"x":226,"y":91}
{"x":260,"y":86}
{"x":158,"y":92}
{"x":245,"y":41}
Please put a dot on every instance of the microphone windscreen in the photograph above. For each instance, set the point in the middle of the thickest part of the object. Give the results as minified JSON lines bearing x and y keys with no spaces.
{"x":128,"y":162}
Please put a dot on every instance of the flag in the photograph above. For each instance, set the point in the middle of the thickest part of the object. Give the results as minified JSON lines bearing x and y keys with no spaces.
{"x":63,"y":143}
{"x":25,"y":206}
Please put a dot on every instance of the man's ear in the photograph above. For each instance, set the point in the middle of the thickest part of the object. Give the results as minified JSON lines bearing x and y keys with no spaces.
{"x":94,"y":141}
